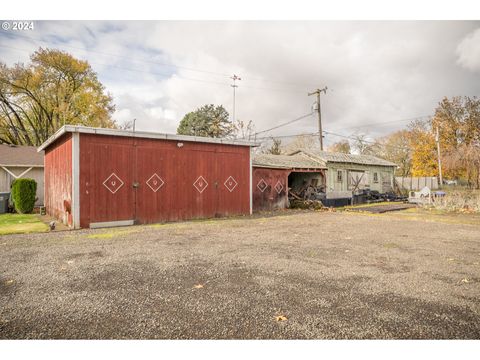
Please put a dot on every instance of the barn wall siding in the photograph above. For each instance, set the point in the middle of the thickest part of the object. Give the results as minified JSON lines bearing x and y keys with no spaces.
{"x":269,"y":198}
{"x":58,"y":179}
{"x":152,"y":180}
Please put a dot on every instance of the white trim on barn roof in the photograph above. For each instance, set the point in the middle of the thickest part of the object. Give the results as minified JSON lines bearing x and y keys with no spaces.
{"x":140,"y":134}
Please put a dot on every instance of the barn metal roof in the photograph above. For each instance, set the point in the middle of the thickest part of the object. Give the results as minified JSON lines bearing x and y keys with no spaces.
{"x":17,"y":155}
{"x":298,"y":161}
{"x":141,"y":134}
{"x":335,"y":157}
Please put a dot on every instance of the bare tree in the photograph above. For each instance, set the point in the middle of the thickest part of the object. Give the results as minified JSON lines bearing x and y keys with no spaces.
{"x":342,"y":146}
{"x":275,"y":148}
{"x":244,"y":130}
{"x":364,"y":146}
{"x":127,"y":125}
{"x":302,"y":142}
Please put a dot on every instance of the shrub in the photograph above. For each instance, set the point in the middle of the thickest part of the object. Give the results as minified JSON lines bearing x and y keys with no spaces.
{"x":24,"y":193}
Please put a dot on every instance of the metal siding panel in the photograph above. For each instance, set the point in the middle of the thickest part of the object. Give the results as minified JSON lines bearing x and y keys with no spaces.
{"x":269,"y":199}
{"x":58,"y":179}
{"x":236,"y":165}
{"x":100,"y":158}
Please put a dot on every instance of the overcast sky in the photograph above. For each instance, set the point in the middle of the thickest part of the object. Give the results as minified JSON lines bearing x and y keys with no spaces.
{"x":375,"y":71}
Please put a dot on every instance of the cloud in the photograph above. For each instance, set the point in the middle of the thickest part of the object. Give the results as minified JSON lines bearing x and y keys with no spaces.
{"x":375,"y":71}
{"x":468,"y":51}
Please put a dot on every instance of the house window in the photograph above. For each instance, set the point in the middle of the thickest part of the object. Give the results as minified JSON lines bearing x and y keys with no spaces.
{"x":375,"y":177}
{"x":339,"y":176}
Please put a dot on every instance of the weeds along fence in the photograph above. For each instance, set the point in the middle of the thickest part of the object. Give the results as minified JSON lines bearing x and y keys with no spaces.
{"x":458,"y":201}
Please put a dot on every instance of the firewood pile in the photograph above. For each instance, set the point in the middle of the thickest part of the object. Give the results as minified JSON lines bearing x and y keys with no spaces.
{"x":308,"y":197}
{"x":306,"y":204}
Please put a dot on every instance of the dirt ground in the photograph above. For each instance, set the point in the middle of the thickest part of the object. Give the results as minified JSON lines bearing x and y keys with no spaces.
{"x":309,"y":275}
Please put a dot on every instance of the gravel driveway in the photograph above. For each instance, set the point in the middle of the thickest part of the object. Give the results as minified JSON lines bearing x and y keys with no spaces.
{"x":306,"y":275}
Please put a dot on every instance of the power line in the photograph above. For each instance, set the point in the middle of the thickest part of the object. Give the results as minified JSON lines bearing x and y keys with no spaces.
{"x":136,"y":70}
{"x":302,"y":85}
{"x":386,"y":122}
{"x":122,"y":56}
{"x":274,"y":89}
{"x":284,"y":124}
{"x":164,"y":74}
{"x":365,"y":141}
{"x":163,"y":64}
{"x":314,"y":134}
{"x":286,"y":136}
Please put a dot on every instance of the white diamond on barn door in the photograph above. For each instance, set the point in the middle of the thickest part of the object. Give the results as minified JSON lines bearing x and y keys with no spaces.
{"x":278,"y":187}
{"x":262,"y":185}
{"x":155,"y":182}
{"x":230,"y":183}
{"x":200,"y":184}
{"x":113,"y":183}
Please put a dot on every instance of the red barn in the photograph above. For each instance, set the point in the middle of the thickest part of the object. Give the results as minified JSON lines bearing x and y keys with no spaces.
{"x":107,"y":177}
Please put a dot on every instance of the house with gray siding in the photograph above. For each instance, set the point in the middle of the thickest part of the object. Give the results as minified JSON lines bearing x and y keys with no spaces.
{"x":349,"y":173}
{"x":337,"y":176}
{"x":21,"y":162}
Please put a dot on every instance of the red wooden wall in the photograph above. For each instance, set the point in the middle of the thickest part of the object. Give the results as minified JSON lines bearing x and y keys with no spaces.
{"x":176,"y":169}
{"x":58,"y":179}
{"x":267,"y":195}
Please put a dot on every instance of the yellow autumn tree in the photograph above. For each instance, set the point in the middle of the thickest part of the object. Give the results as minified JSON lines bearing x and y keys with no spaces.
{"x":458,"y":123}
{"x":422,"y":142}
{"x":54,"y":89}
{"x":342,"y":146}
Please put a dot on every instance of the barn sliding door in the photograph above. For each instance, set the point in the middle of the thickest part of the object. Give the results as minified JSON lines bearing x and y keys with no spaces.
{"x":172,"y":184}
{"x":106,"y":177}
{"x":195,"y":181}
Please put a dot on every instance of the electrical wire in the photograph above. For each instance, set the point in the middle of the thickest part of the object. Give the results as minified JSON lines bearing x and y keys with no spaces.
{"x":169,"y":65}
{"x":216,"y":83}
{"x":386,"y":122}
{"x":269,"y":138}
{"x":284,"y":124}
{"x":169,"y":75}
{"x":365,"y":141}
{"x":136,"y":70}
{"x":285,"y":136}
{"x":122,"y":56}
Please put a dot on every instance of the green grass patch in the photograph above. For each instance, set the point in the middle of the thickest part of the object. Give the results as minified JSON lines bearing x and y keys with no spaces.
{"x":390,"y":245}
{"x":420,"y":214}
{"x":365,"y":205}
{"x":113,"y":233}
{"x":21,"y":223}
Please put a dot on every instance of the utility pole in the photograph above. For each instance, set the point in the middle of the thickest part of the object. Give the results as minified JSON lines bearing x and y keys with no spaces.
{"x":320,"y":132}
{"x":437,"y":139}
{"x":234,"y":86}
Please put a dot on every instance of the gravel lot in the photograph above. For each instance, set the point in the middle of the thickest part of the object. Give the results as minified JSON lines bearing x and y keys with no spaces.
{"x":331,"y":275}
